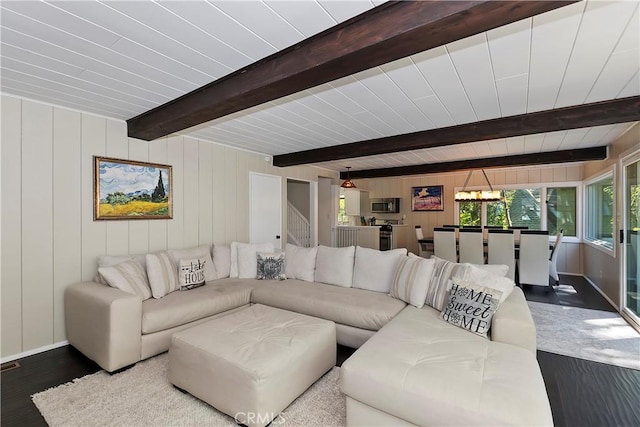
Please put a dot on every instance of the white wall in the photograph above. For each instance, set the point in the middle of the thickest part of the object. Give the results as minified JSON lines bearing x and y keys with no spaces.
{"x":49,"y":237}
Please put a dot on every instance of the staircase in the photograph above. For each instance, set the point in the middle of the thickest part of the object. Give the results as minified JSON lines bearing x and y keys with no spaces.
{"x":298,"y":227}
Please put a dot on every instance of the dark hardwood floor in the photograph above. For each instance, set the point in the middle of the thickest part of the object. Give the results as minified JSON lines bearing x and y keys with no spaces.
{"x":581,"y":392}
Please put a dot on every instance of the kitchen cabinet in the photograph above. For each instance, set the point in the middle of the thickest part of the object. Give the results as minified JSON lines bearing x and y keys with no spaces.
{"x":355,"y":201}
{"x":363,"y":236}
{"x":399,"y":237}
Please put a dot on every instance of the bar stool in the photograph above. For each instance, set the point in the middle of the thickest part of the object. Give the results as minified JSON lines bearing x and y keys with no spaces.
{"x":471,"y":245}
{"x":444,"y":243}
{"x":501,"y":248}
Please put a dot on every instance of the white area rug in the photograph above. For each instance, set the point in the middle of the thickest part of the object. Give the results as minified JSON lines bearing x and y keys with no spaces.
{"x":601,"y":336}
{"x":142,"y":396}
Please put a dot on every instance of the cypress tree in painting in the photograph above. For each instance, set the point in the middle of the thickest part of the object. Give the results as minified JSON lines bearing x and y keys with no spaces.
{"x":158,"y":193}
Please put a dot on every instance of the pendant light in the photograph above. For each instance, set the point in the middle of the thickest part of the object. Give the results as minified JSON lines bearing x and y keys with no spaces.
{"x":348,"y":183}
{"x":477,"y":196}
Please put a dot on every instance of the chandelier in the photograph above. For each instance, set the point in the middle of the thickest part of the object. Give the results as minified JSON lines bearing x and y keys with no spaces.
{"x":348,"y":183}
{"x":490,"y":195}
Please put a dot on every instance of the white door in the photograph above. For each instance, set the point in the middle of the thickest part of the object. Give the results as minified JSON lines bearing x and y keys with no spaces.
{"x":265,"y":209}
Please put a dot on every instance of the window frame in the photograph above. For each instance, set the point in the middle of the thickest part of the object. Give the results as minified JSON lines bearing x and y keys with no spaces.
{"x":543,"y":186}
{"x":609,"y":172}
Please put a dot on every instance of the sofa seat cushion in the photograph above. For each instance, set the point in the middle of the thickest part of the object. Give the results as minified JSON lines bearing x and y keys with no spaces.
{"x":181,"y":307}
{"x":428,"y":372}
{"x":353,"y":307}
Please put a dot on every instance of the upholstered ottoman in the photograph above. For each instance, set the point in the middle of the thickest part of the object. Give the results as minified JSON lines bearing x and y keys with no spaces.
{"x":252,"y":363}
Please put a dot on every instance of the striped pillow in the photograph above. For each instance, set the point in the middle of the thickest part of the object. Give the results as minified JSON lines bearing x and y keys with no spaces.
{"x":412,"y":279}
{"x":440,"y":283}
{"x":163,"y":274}
{"x":128,"y":276}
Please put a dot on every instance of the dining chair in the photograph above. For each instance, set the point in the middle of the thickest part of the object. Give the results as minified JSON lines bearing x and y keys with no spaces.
{"x":553,"y":269}
{"x":444,"y":243}
{"x":533,"y":262}
{"x":516,"y":231}
{"x":486,"y":228}
{"x":423,"y":250}
{"x":501,"y":250}
{"x":455,"y":227}
{"x":471,"y":245}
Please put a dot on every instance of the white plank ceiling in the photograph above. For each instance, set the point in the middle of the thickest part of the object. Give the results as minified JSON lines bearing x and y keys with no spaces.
{"x":121,"y":58}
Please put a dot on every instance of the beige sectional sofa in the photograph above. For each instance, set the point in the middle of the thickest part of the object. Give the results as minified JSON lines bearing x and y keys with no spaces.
{"x":411,"y":368}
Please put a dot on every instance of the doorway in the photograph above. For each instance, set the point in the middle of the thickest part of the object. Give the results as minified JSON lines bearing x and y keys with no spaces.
{"x":631,"y":239}
{"x":265,"y":209}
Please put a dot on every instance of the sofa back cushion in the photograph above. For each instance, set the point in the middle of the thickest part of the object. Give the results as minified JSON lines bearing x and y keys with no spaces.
{"x":162,"y":272}
{"x":222,"y":260}
{"x":374,"y":270}
{"x":202,"y":252}
{"x":300,"y":263}
{"x":334,"y":266}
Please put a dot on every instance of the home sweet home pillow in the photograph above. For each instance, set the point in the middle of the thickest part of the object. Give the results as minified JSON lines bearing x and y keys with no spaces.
{"x":470,"y":306}
{"x":192,"y":273}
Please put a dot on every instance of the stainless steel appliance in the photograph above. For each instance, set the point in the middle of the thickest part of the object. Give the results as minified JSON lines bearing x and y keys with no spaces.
{"x":386,"y":237}
{"x":385,"y":205}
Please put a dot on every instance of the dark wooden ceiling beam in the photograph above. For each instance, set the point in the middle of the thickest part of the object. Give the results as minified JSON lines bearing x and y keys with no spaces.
{"x":551,"y":157}
{"x":383,"y":34}
{"x":595,"y":114}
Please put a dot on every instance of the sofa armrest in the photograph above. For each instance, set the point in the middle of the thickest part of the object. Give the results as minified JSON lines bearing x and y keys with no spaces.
{"x":513,"y":324}
{"x":104,"y":323}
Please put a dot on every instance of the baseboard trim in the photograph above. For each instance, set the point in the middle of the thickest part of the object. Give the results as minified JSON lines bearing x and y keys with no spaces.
{"x":602,"y":293}
{"x":34,"y":351}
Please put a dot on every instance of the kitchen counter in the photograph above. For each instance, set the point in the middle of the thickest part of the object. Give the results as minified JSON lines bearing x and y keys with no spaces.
{"x":366,"y":236}
{"x":357,"y":226}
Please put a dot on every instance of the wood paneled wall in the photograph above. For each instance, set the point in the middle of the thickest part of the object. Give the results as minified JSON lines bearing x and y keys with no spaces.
{"x":49,"y":237}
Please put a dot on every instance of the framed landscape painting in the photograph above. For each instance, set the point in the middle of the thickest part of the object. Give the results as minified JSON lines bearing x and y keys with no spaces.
{"x":427,"y":198}
{"x":127,"y":189}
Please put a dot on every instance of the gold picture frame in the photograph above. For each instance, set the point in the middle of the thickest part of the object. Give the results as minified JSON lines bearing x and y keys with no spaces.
{"x":129,"y":190}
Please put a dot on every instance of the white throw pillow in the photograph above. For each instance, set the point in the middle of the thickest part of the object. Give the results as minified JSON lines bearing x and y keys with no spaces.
{"x":482,"y":277}
{"x":111,"y":260}
{"x":128,"y":276}
{"x":374,"y":270}
{"x":411,"y":280}
{"x":233,"y":260}
{"x":163,"y":274}
{"x":248,"y":260}
{"x":192,"y":273}
{"x":197,"y":252}
{"x":222,"y":260}
{"x":497,"y":269}
{"x":300,"y":263}
{"x":334,"y":266}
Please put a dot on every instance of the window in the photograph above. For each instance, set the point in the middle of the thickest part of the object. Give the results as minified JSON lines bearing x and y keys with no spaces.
{"x":544,"y":208}
{"x":342,"y":214}
{"x":599,"y":213}
{"x":561,"y":210}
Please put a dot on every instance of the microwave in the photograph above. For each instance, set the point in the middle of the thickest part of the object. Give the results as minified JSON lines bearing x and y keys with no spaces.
{"x":385,"y":205}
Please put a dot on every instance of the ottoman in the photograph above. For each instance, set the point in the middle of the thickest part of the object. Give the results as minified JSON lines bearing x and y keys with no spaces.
{"x":253,"y":363}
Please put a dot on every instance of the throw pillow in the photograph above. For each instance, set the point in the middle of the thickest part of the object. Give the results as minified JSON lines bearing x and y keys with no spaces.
{"x":110,"y":261}
{"x":497,"y":269}
{"x":192,"y":273}
{"x":247,"y":258}
{"x":163,"y":274}
{"x":233,"y":260}
{"x":204,"y":252}
{"x":483,"y":277}
{"x":271,"y":266}
{"x":443,"y":272}
{"x":470,"y":306}
{"x":374,"y":270}
{"x":411,"y":280}
{"x":128,"y":276}
{"x":300,"y":263}
{"x":222,"y":260}
{"x":334,"y":266}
